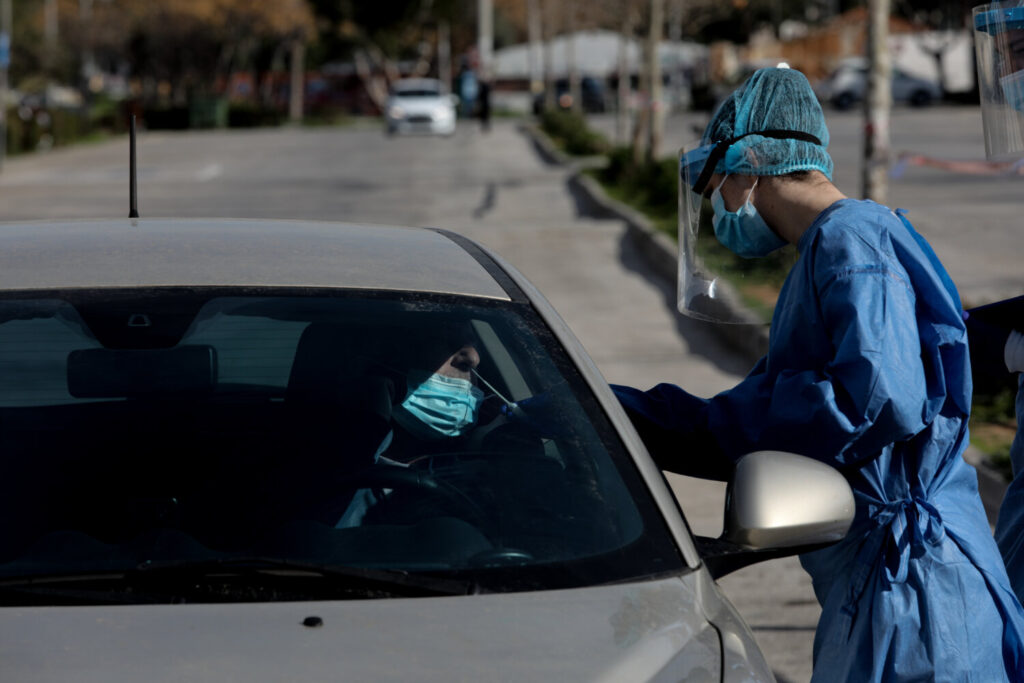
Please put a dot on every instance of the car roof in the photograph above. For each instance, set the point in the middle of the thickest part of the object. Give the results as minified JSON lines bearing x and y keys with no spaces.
{"x":240,"y":252}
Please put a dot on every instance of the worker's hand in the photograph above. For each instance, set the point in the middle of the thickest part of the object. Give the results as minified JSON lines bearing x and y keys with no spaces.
{"x":537,"y":413}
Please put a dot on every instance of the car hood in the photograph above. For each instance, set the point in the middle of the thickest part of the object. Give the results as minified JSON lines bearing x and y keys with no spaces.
{"x":414,"y":105}
{"x":647,"y":631}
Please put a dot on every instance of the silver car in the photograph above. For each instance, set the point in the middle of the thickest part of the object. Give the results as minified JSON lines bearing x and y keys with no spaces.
{"x":215,"y":469}
{"x":420,"y":105}
{"x":847,"y":85}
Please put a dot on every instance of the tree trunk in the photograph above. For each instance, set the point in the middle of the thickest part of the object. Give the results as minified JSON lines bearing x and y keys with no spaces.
{"x":364,"y":69}
{"x":534,"y":28}
{"x":549,"y":37}
{"x":625,"y":83}
{"x":485,"y":37}
{"x":655,"y":117}
{"x":878,"y":104}
{"x":444,"y":53}
{"x":297,"y":91}
{"x":575,"y":88}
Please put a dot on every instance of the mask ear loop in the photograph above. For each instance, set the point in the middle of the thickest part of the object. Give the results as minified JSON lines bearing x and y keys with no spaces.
{"x":718,"y":189}
{"x":750,"y":192}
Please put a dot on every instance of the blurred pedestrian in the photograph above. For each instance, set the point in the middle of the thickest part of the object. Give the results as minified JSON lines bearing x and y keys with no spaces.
{"x":867,"y":369}
{"x":469,"y":89}
{"x":484,"y":104}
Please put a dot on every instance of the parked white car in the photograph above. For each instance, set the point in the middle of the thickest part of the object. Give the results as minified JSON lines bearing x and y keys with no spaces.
{"x":847,"y":85}
{"x":420,"y":105}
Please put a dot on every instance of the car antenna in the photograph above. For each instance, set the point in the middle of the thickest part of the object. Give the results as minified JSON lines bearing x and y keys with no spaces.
{"x":133,"y":194}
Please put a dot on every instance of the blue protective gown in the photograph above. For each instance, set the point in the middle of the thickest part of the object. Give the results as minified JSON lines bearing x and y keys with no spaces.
{"x":1010,"y":524}
{"x":868,"y":370}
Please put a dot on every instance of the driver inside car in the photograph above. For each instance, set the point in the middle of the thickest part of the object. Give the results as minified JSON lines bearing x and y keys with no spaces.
{"x":439,"y":404}
{"x":432,"y":411}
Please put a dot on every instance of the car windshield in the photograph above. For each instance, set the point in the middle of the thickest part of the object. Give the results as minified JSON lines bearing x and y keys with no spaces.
{"x":421,"y":435}
{"x":417,"y":92}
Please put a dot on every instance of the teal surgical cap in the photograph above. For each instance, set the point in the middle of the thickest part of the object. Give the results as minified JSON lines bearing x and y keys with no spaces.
{"x":775,"y":100}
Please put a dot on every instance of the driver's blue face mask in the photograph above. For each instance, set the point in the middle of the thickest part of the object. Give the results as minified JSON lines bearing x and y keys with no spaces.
{"x":438,"y":406}
{"x":743,"y":232}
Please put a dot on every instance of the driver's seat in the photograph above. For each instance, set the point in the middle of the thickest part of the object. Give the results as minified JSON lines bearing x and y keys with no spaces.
{"x":338,"y":415}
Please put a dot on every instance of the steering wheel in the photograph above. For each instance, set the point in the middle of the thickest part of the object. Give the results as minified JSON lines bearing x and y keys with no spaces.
{"x":410,"y":478}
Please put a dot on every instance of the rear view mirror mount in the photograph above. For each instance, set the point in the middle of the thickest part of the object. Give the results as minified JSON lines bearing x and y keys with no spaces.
{"x":129,"y":373}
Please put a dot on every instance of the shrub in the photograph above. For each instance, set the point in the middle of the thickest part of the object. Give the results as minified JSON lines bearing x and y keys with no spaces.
{"x":31,"y":129}
{"x":650,"y":186}
{"x":570,"y":132}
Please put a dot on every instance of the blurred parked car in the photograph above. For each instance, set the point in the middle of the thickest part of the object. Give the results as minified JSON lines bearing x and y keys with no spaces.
{"x":592,"y":93}
{"x":420,"y":105}
{"x":847,"y":86}
{"x":191,"y":409}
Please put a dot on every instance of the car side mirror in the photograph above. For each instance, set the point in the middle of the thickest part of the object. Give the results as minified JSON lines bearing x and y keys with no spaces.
{"x":455,"y":100}
{"x":778,"y":504}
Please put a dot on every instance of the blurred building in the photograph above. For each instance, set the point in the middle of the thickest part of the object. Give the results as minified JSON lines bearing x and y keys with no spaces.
{"x":596,"y":57}
{"x":818,"y":51}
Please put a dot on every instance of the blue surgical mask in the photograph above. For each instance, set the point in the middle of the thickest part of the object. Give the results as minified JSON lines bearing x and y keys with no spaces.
{"x":438,"y":406}
{"x":743,"y":232}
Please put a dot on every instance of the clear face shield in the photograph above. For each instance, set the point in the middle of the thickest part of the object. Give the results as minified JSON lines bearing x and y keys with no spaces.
{"x":999,"y":45}
{"x":715,"y":284}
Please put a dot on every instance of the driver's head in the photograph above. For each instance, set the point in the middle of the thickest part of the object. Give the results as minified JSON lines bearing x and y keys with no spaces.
{"x":449,"y":350}
{"x":441,"y":397}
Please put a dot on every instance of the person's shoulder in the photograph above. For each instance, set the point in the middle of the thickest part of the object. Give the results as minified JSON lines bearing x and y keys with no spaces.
{"x":858,"y":224}
{"x":855,"y":234}
{"x":857,"y":215}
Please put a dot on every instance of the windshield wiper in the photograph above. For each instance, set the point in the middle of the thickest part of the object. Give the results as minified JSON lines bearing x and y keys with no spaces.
{"x":184,"y":575}
{"x":365,"y":580}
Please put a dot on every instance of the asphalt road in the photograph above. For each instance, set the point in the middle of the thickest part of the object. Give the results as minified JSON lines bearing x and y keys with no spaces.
{"x":493,"y":188}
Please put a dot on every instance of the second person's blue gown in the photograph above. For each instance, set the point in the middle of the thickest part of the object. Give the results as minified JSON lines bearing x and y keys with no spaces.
{"x":868,"y":370}
{"x":1010,"y":525}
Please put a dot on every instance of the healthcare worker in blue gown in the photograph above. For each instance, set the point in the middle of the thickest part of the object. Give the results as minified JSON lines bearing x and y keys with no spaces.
{"x":995,"y":331}
{"x":867,"y":369}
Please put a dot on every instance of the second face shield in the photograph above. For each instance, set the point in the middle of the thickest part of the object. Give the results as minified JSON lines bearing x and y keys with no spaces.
{"x":999,"y":47}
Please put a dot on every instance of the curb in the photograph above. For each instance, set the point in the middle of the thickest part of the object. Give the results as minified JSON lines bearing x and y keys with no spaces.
{"x":660,"y":253}
{"x":656,"y":247}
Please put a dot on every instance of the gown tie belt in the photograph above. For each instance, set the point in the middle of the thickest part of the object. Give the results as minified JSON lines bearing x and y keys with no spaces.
{"x":898,"y":527}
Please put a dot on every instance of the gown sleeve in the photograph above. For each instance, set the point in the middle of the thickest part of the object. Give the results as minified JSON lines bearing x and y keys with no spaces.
{"x":672,"y":423}
{"x":867,"y":389}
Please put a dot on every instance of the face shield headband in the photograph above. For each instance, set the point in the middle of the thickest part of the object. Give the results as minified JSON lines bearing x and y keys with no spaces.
{"x":998,"y":19}
{"x":713,"y":153}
